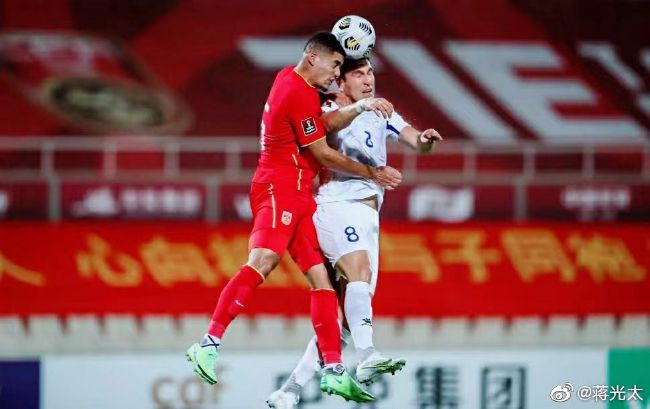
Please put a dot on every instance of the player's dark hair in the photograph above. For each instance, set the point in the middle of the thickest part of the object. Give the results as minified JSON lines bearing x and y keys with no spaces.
{"x":324,"y":40}
{"x":351,"y":64}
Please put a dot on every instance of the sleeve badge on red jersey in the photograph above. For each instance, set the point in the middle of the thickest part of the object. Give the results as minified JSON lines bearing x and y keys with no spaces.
{"x":308,"y":126}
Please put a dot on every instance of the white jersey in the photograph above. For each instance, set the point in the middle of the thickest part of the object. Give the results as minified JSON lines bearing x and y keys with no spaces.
{"x":364,"y":141}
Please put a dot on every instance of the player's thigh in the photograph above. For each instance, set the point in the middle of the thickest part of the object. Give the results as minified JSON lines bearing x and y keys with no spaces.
{"x":365,"y":265}
{"x":303,"y":247}
{"x":273,"y":222}
{"x":344,"y":228}
{"x":373,"y":254}
{"x":356,"y":266}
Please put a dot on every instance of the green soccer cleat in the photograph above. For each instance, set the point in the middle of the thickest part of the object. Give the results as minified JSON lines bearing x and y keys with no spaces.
{"x":376,"y":365}
{"x":337,"y":381}
{"x":204,"y":360}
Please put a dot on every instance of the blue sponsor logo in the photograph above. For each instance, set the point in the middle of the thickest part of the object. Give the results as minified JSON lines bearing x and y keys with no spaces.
{"x":19,"y":384}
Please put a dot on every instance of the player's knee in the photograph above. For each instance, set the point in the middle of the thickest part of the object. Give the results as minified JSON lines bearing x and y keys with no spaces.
{"x":263,"y":260}
{"x":362,"y":274}
{"x":319,"y":278}
{"x":359,"y":273}
{"x":356,"y":266}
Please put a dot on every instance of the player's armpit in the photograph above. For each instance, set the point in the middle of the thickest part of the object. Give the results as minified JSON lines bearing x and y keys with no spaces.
{"x":313,"y":142}
{"x":321,"y":151}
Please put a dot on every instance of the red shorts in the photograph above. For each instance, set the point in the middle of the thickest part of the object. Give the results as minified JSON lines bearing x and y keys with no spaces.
{"x":282,"y":220}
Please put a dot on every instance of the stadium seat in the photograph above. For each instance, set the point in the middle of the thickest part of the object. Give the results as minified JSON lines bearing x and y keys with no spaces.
{"x":385,"y":332}
{"x":83,"y":334}
{"x":13,"y":336}
{"x":597,"y":330}
{"x":299,"y":332}
{"x":633,"y":331}
{"x":240,"y":335}
{"x":158,"y":333}
{"x":416,"y":333}
{"x":488,"y":332}
{"x":191,"y":327}
{"x":268,"y":332}
{"x":560,"y":331}
{"x":452,"y":332}
{"x":525,"y":332}
{"x":47,"y":334}
{"x":44,"y":335}
{"x":120,"y":333}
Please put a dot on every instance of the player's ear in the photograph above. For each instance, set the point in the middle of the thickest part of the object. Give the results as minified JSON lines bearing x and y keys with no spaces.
{"x":312,"y":57}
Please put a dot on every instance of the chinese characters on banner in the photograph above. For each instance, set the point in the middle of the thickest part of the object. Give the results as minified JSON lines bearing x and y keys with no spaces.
{"x":465,"y":269}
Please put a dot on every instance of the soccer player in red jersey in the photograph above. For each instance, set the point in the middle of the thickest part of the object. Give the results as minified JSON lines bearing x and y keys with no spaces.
{"x":293,"y":149}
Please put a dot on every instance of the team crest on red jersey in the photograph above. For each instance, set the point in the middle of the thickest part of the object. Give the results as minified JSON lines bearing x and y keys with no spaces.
{"x":286,"y":218}
{"x":308,"y":126}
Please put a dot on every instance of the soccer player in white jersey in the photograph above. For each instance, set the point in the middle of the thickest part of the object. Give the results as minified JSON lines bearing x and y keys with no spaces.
{"x":347,"y":222}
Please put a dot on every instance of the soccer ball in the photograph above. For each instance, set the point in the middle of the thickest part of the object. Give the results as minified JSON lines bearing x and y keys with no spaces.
{"x":356,"y":35}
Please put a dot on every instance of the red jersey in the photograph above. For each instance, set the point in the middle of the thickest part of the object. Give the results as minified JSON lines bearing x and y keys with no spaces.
{"x":290,"y":123}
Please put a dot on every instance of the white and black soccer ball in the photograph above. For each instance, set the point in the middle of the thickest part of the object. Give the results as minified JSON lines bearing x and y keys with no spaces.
{"x":356,"y":35}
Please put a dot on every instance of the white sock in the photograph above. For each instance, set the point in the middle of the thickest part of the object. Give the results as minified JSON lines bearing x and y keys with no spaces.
{"x":309,"y":364}
{"x":358,"y":311}
{"x":345,"y":337}
{"x":210,"y":340}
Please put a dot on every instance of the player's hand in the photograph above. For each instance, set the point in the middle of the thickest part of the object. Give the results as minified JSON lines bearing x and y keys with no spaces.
{"x":387,"y":177}
{"x":429,"y":136}
{"x":379,"y":106}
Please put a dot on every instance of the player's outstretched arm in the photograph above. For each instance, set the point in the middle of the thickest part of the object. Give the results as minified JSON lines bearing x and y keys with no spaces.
{"x":336,"y":120}
{"x":386,"y":177}
{"x":421,"y":141}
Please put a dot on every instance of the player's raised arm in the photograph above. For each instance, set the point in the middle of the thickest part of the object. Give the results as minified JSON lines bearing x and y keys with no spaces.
{"x":386,"y":177}
{"x":336,"y":120}
{"x":421,"y":141}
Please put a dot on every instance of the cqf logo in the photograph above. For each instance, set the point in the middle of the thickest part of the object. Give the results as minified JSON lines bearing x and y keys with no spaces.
{"x":594,"y":203}
{"x":185,"y":393}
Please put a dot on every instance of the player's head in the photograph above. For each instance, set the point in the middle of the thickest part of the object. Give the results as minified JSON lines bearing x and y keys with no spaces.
{"x":322,"y":59}
{"x":357,"y":79}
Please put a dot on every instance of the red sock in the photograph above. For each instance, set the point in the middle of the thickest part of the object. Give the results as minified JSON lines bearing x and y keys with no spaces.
{"x":324,"y":318}
{"x":233,"y":298}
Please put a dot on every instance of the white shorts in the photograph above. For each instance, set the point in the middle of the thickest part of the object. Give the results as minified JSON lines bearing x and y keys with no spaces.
{"x":348,"y":226}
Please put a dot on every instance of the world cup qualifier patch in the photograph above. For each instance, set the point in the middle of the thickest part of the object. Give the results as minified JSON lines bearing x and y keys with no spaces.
{"x":308,"y":126}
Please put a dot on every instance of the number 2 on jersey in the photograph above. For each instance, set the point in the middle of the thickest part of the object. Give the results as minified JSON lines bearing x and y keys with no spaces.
{"x":369,"y":140}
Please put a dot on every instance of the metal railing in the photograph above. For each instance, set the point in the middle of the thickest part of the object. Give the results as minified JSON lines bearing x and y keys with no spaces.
{"x":176,"y":159}
{"x":234,"y":149}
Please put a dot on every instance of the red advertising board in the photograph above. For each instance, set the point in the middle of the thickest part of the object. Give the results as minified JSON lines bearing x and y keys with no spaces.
{"x":436,"y":202}
{"x":450,"y":203}
{"x":426,"y":269}
{"x":115,"y":200}
{"x":23,"y":200}
{"x":589,"y":202}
